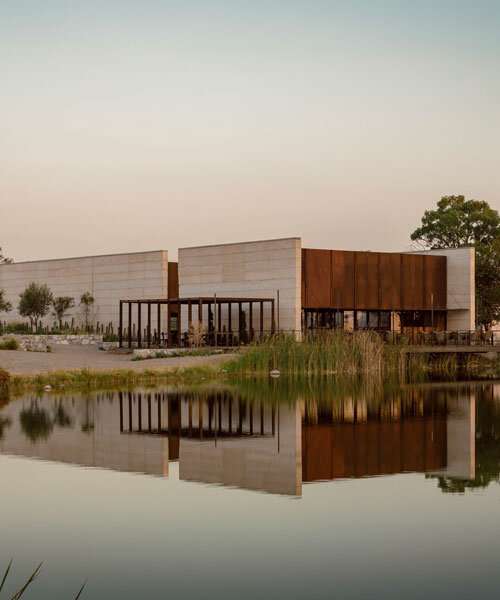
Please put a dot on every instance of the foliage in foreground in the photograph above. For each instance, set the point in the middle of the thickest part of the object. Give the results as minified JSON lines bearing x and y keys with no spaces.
{"x":31,"y":579}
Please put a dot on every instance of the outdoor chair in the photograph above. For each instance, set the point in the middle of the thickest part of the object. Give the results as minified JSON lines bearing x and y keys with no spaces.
{"x":487,"y":338}
{"x":462,"y":338}
{"x":440,"y":338}
{"x":475,"y":338}
{"x":424,"y":338}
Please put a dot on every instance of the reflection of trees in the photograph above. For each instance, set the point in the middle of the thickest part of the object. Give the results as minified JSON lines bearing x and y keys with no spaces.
{"x":61,"y":417}
{"x":487,"y":447}
{"x":4,"y":423}
{"x":88,"y":426}
{"x":36,"y":422}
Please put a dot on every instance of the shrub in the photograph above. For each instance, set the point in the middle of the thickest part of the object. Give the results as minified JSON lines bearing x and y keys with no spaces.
{"x":17,"y":328}
{"x":9,"y":344}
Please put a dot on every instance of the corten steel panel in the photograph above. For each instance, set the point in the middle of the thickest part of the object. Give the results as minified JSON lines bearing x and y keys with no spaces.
{"x":173,"y":280}
{"x":361,"y":282}
{"x":440,"y":283}
{"x":396,"y":260}
{"x":407,"y":281}
{"x":418,"y":282}
{"x":317,"y":456}
{"x":337,"y":279}
{"x":317,"y":263}
{"x":372,"y":276}
{"x":429,"y":281}
{"x":385,"y":281}
{"x":349,"y":274}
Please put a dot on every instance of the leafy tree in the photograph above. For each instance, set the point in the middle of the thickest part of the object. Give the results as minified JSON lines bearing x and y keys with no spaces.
{"x":61,"y":305}
{"x":4,"y":260}
{"x":35,"y":303}
{"x":86,"y":305}
{"x":5,"y":305}
{"x":458,"y":223}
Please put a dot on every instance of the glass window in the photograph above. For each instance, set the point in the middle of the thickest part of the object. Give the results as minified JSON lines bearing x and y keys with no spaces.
{"x":385,"y":319}
{"x":373,"y":319}
{"x":361,"y":317}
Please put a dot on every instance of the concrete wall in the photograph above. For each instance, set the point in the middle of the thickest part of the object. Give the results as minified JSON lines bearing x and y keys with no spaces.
{"x":108,"y":278}
{"x":460,"y":287}
{"x":252,"y":269}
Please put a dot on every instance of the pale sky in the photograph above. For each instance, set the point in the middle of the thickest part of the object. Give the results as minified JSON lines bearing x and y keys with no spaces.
{"x":159,"y":124}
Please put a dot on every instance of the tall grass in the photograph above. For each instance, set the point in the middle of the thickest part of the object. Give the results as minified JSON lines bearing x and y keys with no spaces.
{"x":344,"y":353}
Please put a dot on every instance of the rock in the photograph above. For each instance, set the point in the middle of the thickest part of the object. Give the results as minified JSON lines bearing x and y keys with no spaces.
{"x":47,"y":388}
{"x":274,"y":373}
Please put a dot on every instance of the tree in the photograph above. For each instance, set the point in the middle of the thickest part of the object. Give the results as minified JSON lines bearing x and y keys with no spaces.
{"x":35,"y":303}
{"x":4,"y":260}
{"x":5,"y":305}
{"x":61,"y":305}
{"x":459,"y":223}
{"x":86,"y":305}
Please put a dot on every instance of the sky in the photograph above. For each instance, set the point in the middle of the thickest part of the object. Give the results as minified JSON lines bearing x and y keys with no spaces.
{"x":129,"y":126}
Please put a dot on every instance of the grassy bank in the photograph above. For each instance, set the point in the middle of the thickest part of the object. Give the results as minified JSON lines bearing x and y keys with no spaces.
{"x":87,"y":380}
{"x":340,"y":353}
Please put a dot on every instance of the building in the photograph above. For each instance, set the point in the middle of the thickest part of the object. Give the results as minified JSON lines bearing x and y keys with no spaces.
{"x":271,"y":283}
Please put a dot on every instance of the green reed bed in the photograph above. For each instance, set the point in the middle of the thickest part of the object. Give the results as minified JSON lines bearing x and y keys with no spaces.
{"x":342,"y":353}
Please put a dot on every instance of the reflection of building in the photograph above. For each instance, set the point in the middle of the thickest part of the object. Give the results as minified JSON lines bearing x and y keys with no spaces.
{"x":418,"y":436}
{"x":219,"y":437}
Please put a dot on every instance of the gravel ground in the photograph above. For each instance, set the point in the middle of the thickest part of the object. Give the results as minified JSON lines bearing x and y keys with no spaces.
{"x":90,"y":357}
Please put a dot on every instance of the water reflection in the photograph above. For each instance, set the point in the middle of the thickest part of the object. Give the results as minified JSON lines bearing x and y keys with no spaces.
{"x":265,"y":440}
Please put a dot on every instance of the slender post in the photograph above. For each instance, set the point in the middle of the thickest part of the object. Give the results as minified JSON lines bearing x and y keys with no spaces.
{"x":179,"y":325}
{"x":250,"y":319}
{"x":190,"y":315}
{"x":239,"y":324}
{"x":158,"y":323}
{"x":130,"y":324}
{"x":272,"y":316}
{"x":139,"y":326}
{"x":432,"y":311}
{"x":215,"y":319}
{"x":120,"y":332}
{"x":229,"y":316}
{"x":261,"y":318}
{"x":169,"y":325}
{"x":200,"y":310}
{"x":149,"y":325}
{"x":278,"y":307}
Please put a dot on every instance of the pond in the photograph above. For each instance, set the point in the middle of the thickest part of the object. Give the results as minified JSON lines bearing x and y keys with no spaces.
{"x":280,"y":489}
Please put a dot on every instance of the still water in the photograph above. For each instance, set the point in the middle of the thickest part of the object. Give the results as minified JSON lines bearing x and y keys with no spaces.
{"x":275,"y":490}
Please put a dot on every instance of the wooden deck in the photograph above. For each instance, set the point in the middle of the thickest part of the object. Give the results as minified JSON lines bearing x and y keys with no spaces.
{"x":455,"y":349}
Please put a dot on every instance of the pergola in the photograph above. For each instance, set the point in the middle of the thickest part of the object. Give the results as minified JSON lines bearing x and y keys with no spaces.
{"x":215,"y":333}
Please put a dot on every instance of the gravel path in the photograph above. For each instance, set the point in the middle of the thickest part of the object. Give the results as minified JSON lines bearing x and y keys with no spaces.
{"x":90,"y":357}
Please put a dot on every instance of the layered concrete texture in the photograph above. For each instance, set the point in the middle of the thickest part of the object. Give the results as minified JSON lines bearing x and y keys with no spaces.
{"x":108,"y":278}
{"x":247,"y":269}
{"x":460,"y":287}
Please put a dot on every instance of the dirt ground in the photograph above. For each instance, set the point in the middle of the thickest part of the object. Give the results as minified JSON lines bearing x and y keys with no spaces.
{"x":90,"y":357}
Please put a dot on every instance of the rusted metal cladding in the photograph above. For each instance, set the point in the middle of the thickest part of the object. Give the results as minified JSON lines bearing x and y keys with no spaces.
{"x":373,"y":280}
{"x":173,"y":280}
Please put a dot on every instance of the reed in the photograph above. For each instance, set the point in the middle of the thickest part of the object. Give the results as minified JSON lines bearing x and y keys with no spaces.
{"x":342,"y":353}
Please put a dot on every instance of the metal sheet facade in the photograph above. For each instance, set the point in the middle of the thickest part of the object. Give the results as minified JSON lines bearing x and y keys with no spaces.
{"x":372,"y":280}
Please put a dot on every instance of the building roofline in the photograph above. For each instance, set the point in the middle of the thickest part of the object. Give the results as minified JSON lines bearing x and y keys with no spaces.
{"x":25,"y":262}
{"x":244,"y":242}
